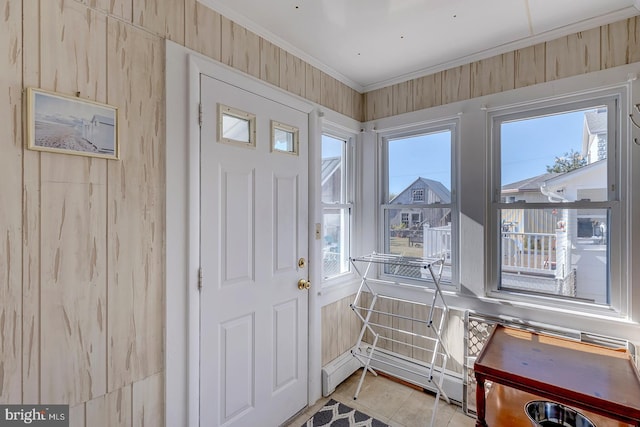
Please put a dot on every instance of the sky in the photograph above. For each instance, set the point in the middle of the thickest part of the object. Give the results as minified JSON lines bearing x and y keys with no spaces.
{"x":528,"y":147}
{"x":427,"y":156}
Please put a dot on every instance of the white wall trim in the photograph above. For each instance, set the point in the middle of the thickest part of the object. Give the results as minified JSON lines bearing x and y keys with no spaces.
{"x":338,"y":370}
{"x":178,"y":371}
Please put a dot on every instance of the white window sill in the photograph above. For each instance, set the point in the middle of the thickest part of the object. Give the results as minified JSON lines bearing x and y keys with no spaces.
{"x":552,"y":305}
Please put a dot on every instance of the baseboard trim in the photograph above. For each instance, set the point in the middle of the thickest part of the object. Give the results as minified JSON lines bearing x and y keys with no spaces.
{"x":395,"y":365}
{"x":338,"y":370}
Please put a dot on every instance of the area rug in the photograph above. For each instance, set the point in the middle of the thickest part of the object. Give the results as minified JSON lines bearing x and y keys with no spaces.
{"x":336,"y":414}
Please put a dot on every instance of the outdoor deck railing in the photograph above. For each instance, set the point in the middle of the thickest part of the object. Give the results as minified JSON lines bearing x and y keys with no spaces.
{"x":528,"y":252}
{"x":521,"y":252}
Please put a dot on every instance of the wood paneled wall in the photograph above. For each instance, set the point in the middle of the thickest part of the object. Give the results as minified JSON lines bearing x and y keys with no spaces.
{"x":340,"y":329}
{"x":11,"y":204}
{"x":593,"y":50}
{"x":82,"y":239}
{"x":81,"y":309}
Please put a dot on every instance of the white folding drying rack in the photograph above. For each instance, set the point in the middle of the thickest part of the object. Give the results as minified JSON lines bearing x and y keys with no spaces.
{"x":417,"y":372}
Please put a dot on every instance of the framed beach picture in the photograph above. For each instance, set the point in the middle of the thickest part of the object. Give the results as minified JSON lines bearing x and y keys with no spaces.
{"x":65,"y":124}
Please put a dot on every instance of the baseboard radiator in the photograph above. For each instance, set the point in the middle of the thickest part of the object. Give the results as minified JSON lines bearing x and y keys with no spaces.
{"x":395,"y":365}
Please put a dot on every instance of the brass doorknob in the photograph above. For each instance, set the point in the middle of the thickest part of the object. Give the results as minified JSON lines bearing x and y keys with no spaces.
{"x":303,"y":284}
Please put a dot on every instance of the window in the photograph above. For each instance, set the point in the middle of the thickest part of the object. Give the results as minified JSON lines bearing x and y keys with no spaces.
{"x":404,"y":220}
{"x":419,"y":208}
{"x":555,"y":200}
{"x":336,"y":205}
{"x":284,"y":138}
{"x":236,"y":126}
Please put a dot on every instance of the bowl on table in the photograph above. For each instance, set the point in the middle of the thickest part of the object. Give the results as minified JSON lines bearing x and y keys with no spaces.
{"x":544,"y":413}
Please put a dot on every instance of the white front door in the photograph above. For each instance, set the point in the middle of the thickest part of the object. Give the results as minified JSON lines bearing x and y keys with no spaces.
{"x":253,"y":316}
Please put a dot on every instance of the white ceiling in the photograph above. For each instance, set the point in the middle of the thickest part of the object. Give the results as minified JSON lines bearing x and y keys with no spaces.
{"x":368,"y":44}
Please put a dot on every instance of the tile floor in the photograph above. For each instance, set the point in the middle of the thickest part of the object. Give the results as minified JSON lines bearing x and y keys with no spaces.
{"x":391,"y":402}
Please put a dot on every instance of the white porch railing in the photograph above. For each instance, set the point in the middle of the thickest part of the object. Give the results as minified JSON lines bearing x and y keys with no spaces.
{"x":437,"y":241}
{"x":521,"y":252}
{"x":529,"y":252}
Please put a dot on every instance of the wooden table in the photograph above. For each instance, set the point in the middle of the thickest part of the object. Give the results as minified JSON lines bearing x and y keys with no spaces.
{"x":587,"y":377}
{"x":505,"y":407}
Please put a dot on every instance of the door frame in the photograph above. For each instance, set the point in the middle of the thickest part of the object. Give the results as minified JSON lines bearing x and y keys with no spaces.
{"x":182,"y":225}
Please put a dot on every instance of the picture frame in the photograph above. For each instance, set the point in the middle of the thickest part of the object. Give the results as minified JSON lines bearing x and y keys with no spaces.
{"x":71,"y":125}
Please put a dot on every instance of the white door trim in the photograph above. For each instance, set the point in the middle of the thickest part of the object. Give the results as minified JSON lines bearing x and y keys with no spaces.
{"x":183,"y":69}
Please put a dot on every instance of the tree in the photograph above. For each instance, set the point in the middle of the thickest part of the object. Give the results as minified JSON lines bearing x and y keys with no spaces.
{"x":567,"y":162}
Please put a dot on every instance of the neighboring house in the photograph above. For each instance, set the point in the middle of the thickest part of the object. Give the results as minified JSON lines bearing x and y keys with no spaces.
{"x":527,"y":190}
{"x":331,"y":178}
{"x":100,"y":132}
{"x":522,"y":220}
{"x":422,"y":191}
{"x":581,"y":244}
{"x":331,"y":184}
{"x":594,"y":141}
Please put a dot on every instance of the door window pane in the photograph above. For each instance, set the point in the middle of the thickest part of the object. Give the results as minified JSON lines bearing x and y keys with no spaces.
{"x":236,"y":126}
{"x":284,"y":138}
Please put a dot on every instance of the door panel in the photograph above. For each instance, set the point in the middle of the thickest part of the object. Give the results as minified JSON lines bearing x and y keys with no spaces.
{"x":254,"y":330}
{"x":237,"y":225}
{"x":286,"y":211}
{"x":236,"y":349}
{"x":286,"y":367}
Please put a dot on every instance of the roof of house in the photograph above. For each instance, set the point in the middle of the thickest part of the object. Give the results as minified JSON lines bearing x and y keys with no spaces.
{"x":562,"y":178}
{"x":529,"y":184}
{"x":329,"y":166}
{"x":436,"y":186}
{"x":596,"y":121}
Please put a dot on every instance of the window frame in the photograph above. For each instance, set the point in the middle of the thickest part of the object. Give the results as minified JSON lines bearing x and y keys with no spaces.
{"x":249,"y":118}
{"x":415,"y":192}
{"x":616,"y":100}
{"x":348,"y":189}
{"x":412,"y":130}
{"x":295,"y":136}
